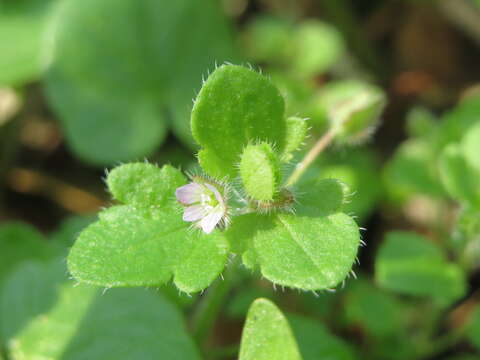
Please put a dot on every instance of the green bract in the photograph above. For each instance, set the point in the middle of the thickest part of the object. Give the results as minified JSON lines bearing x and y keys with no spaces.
{"x":260,"y":171}
{"x":410,"y":264}
{"x":267,"y":335}
{"x":236,"y":107}
{"x":142,"y":243}
{"x":297,"y":129}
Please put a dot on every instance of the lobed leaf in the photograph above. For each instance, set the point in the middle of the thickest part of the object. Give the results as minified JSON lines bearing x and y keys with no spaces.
{"x":236,"y":106}
{"x":134,"y":247}
{"x":267,"y":335}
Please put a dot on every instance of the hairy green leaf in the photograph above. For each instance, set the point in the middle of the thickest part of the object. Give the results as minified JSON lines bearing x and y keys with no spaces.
{"x":303,"y":252}
{"x":236,"y":106}
{"x":409,"y":264}
{"x":144,"y":184}
{"x":134,"y":247}
{"x":267,"y":335}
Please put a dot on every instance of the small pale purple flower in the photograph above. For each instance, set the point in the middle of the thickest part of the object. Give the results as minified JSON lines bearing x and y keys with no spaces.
{"x":204,"y":204}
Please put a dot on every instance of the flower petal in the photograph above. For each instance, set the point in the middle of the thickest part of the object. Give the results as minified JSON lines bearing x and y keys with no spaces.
{"x":209,"y":222}
{"x":189,"y":194}
{"x":194,"y":213}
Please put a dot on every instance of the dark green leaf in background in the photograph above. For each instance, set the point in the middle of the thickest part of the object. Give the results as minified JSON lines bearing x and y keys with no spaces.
{"x":120,"y":66}
{"x":24,"y":37}
{"x":408,"y":263}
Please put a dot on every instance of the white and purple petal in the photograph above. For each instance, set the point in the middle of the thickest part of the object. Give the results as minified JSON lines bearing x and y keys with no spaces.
{"x":194,"y":213}
{"x":190,"y":193}
{"x":214,"y":216}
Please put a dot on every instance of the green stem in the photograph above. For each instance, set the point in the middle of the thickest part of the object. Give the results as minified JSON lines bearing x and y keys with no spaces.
{"x":210,"y":305}
{"x":319,"y":146}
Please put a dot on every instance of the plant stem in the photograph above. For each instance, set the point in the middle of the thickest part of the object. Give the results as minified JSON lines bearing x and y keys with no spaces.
{"x":320,"y":145}
{"x":210,"y":305}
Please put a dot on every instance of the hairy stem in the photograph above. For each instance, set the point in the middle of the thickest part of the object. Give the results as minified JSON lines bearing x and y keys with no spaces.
{"x":302,"y":166}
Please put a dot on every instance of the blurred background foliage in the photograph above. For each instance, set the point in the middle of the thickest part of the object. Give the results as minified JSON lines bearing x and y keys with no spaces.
{"x":86,"y":85}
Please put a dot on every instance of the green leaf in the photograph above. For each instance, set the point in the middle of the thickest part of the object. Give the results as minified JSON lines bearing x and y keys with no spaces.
{"x":375,"y":311}
{"x":297,"y":130}
{"x":317,"y":46}
{"x":320,"y":197}
{"x":121,"y":323}
{"x":460,"y":180}
{"x":268,"y":38}
{"x":20,"y":242}
{"x":23,"y":27}
{"x":28,"y":291}
{"x":236,"y":106}
{"x":113,"y":82}
{"x":473,"y":328}
{"x":134,"y":247}
{"x":260,"y":171}
{"x":316,"y":342}
{"x":413,"y":170}
{"x":267,"y":335}
{"x":358,"y":170}
{"x":144,"y":184}
{"x":408,"y":263}
{"x":309,"y":253}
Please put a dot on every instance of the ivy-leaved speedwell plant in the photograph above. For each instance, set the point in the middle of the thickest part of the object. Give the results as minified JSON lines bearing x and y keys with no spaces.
{"x":167,"y":225}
